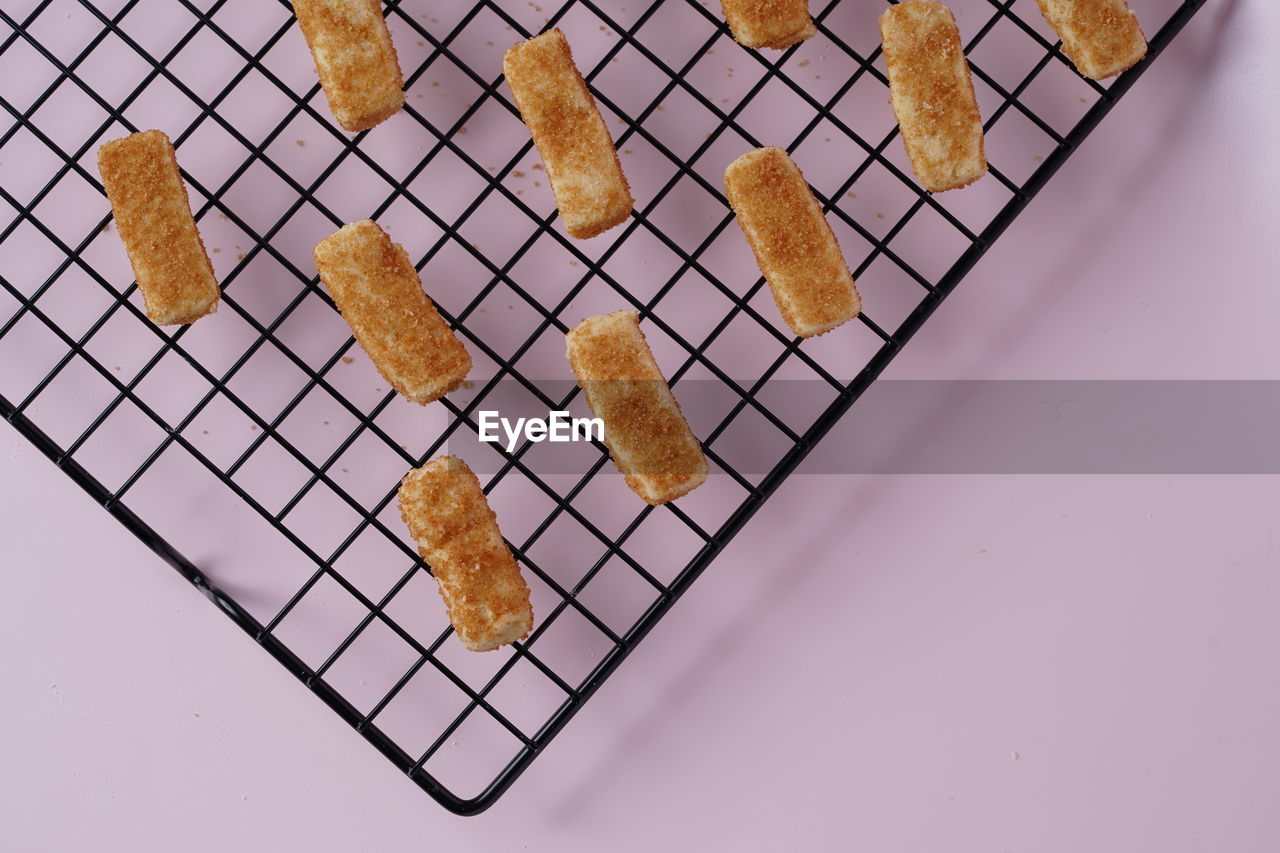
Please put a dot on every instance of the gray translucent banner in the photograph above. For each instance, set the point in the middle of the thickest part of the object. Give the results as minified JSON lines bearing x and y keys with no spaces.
{"x":939,"y":427}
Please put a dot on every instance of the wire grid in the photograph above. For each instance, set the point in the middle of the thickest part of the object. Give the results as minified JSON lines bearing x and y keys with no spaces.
{"x":463,"y":726}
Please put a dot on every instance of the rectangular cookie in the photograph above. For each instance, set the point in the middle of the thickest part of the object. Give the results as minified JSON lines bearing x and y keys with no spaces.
{"x":768,"y":23}
{"x":355,"y":59}
{"x":571,"y":137}
{"x":457,"y":533}
{"x":153,"y":215}
{"x":932,"y":94}
{"x":644,"y":429}
{"x":793,"y":244}
{"x":1101,"y":37}
{"x":378,"y":291}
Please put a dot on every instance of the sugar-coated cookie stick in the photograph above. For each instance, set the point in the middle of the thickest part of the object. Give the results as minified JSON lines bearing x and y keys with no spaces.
{"x":153,"y":215}
{"x":644,"y":429}
{"x":792,"y":242}
{"x":355,"y":58}
{"x":374,"y":285}
{"x":1101,"y":37}
{"x":768,"y":23}
{"x":932,"y":94}
{"x":575,"y":146}
{"x":457,"y":534}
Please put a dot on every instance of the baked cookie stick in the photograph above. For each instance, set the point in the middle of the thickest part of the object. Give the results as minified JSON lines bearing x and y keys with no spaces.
{"x":575,"y":146}
{"x":792,"y":242}
{"x":768,"y":23}
{"x":932,"y":94}
{"x":374,"y":285}
{"x":153,"y":215}
{"x":1101,"y":37}
{"x":644,"y":429}
{"x":355,"y":58}
{"x":457,"y":534}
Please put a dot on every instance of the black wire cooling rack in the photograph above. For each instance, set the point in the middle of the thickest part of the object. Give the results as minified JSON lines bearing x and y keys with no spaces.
{"x":342,"y":601}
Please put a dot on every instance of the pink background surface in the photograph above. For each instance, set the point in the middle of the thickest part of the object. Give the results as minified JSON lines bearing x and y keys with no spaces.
{"x":862,"y":682}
